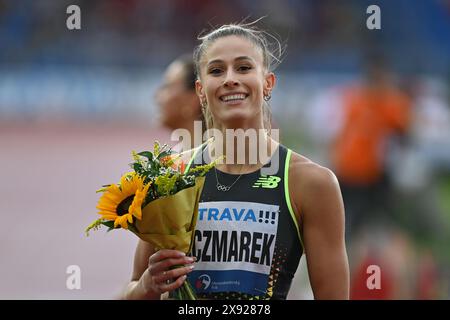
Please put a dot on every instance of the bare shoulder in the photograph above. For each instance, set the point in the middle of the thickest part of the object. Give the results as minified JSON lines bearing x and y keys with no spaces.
{"x":311,"y":185}
{"x":309,"y":174}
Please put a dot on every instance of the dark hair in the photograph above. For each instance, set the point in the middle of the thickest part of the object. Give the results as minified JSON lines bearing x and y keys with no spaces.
{"x":189,"y":69}
{"x":189,"y":79}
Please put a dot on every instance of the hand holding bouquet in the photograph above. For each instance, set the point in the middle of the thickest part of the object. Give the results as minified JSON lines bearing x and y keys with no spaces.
{"x":157,"y":201}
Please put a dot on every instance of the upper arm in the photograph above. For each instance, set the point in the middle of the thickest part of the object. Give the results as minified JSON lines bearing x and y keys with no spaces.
{"x":323,"y":225}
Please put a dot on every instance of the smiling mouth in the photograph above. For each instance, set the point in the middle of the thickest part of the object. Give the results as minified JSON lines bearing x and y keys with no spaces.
{"x":237,"y":97}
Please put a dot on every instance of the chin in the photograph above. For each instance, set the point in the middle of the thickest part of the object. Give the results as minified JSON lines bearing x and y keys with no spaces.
{"x":238,"y":121}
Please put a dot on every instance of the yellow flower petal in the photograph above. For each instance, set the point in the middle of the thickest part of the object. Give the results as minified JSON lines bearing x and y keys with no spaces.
{"x":130,"y":184}
{"x":129,"y":218}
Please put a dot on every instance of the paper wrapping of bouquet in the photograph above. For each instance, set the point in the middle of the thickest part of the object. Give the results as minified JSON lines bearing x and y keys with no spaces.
{"x":169,"y":222}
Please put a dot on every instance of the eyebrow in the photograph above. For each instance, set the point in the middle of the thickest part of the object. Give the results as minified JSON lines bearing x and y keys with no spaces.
{"x":236,"y":59}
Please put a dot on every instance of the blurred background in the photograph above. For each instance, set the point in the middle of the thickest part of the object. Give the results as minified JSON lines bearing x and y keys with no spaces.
{"x":373,"y":105}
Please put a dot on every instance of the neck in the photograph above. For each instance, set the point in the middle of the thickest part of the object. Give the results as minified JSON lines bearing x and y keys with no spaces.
{"x":244,"y":151}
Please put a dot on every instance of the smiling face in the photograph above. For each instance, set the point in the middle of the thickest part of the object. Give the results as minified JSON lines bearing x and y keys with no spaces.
{"x":233,"y":82}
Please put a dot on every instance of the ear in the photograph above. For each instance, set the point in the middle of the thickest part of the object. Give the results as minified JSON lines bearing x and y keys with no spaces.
{"x":199,"y":91}
{"x":269,"y":82}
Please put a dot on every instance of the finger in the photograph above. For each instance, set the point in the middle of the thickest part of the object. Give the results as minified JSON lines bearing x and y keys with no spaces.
{"x":174,"y":285}
{"x":171,"y":274}
{"x":165,"y":265}
{"x":164,"y":254}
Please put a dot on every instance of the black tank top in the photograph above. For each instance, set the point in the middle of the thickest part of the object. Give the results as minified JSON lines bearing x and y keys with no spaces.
{"x":247,"y":241}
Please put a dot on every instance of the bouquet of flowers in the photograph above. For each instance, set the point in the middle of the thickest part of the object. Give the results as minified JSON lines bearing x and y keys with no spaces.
{"x":157,"y":201}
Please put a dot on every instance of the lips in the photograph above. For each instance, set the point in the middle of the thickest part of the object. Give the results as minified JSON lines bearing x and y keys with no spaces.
{"x":233,"y":97}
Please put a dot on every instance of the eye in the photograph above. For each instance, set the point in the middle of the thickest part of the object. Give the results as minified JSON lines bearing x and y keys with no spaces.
{"x":244,"y":68}
{"x":214,"y":71}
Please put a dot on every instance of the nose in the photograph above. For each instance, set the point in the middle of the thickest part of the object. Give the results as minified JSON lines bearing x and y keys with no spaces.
{"x":230,"y":79}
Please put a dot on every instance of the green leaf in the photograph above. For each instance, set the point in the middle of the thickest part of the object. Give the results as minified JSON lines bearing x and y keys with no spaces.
{"x":109,"y":224}
{"x":137,"y":167}
{"x":132,"y":228}
{"x":164,"y":154}
{"x":146,"y":154}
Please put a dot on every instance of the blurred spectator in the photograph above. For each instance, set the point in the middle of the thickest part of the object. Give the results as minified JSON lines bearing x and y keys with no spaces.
{"x":393,"y":252}
{"x":178,"y":102}
{"x":374,"y":112}
{"x":428,"y":278}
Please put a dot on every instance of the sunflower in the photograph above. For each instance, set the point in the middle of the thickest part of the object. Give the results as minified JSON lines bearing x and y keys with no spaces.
{"x":119,"y":203}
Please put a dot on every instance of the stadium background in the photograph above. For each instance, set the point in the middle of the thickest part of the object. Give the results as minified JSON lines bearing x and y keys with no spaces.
{"x":74,"y":103}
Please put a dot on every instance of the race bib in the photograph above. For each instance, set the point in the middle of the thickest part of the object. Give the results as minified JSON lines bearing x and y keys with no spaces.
{"x":234,"y":244}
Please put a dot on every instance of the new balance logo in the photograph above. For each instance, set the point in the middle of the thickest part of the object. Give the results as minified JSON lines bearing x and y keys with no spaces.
{"x":267,"y":182}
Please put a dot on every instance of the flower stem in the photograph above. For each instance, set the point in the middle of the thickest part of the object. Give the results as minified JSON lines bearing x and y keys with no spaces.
{"x":189,"y":291}
{"x":185,"y":292}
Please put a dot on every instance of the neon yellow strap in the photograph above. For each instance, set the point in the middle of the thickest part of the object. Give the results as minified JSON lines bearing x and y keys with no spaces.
{"x":287,"y":195}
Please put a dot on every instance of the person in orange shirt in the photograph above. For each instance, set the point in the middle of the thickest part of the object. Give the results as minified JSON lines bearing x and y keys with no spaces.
{"x":374,"y":113}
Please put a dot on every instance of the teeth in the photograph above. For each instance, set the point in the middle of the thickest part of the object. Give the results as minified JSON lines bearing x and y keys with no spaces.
{"x":239,"y":96}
